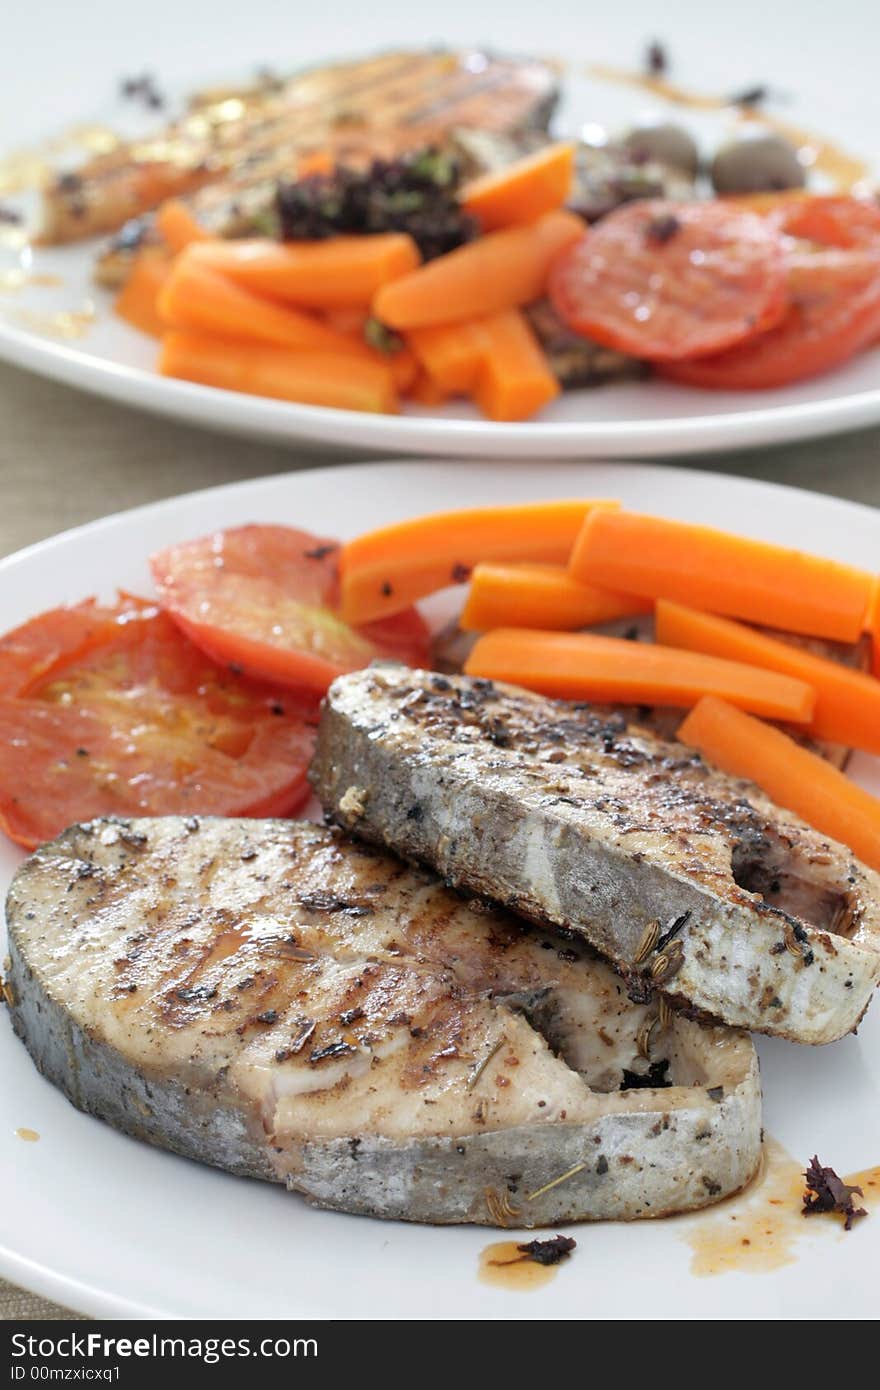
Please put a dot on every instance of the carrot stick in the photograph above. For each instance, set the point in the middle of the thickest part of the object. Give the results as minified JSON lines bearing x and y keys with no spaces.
{"x":723,"y":573}
{"x":196,"y":297}
{"x":137,"y":301}
{"x":542,"y":596}
{"x":384,"y":571}
{"x":343,"y":272}
{"x":403,"y":368}
{"x":500,"y":271}
{"x":425,"y":390}
{"x":352,"y":321}
{"x":343,"y":380}
{"x":789,"y":774}
{"x":524,"y":190}
{"x":873,"y":627}
{"x":177,"y":226}
{"x":583,"y":666}
{"x":449,"y":353}
{"x":847,"y":701}
{"x":514,"y":380}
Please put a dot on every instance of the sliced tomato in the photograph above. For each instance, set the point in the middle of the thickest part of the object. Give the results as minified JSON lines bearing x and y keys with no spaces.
{"x":668,"y":281}
{"x":264,"y":600}
{"x":833,"y":315}
{"x":136,"y":721}
{"x":832,"y":220}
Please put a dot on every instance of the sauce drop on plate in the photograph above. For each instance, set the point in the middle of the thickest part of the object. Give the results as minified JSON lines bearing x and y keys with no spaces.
{"x":502,"y":1265}
{"x":845,"y":170}
{"x":758,"y":1230}
{"x":30,"y":1136}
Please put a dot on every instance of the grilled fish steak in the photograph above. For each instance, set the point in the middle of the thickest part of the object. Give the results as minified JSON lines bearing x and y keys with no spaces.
{"x":280,"y":1001}
{"x":576,"y":820}
{"x":375,"y":107}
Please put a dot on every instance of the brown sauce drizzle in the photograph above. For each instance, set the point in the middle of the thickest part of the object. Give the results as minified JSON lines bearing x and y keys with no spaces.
{"x":505,"y":1267}
{"x":758,"y":1230}
{"x":845,"y":170}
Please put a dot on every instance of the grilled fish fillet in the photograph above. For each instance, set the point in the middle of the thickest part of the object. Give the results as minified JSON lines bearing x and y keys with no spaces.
{"x":374,"y":107}
{"x":279,"y":1001}
{"x":579,"y":821}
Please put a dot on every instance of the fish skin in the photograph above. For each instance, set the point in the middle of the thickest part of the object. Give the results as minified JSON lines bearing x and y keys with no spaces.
{"x":580,"y":822}
{"x":164,"y":973}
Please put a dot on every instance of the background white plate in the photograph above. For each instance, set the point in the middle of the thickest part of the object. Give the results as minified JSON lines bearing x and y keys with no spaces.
{"x":820,"y":58}
{"x":112,"y":1227}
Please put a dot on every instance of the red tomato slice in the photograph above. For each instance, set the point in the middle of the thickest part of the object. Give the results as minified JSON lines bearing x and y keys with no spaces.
{"x":667,"y":281}
{"x":832,"y":220}
{"x":133,"y":721}
{"x":834,"y":314}
{"x":263,"y":599}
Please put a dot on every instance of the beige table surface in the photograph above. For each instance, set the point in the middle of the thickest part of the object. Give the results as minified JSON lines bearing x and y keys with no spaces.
{"x":67,"y":458}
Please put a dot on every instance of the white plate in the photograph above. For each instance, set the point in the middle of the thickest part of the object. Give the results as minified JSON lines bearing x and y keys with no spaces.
{"x":819,"y":57}
{"x":112,"y":1227}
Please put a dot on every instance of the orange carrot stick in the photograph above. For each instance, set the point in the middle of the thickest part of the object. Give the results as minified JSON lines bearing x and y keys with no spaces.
{"x":522,"y":191}
{"x":873,"y":627}
{"x":542,"y":596}
{"x":425,"y":390}
{"x":450,"y":353}
{"x":403,"y":367}
{"x":343,"y":272}
{"x":723,"y":573}
{"x":177,"y":226}
{"x":137,"y":301}
{"x":789,"y":774}
{"x":500,"y":271}
{"x":352,"y":321}
{"x":384,"y":571}
{"x":514,"y":380}
{"x":584,"y":666}
{"x":343,"y":380}
{"x":196,"y":297}
{"x":847,"y":701}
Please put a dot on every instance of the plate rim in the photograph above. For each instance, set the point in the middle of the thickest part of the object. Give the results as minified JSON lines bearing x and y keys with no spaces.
{"x":438,"y":436}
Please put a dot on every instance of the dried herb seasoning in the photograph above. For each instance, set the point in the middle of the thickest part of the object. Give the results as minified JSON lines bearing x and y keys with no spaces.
{"x":548,"y":1252}
{"x":827,"y":1192}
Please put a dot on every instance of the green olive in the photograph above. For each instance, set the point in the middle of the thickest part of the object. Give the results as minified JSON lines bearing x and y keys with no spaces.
{"x":760,"y":163}
{"x":661,"y":142}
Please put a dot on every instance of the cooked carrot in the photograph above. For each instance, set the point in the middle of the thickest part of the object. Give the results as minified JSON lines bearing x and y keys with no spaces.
{"x":873,"y":627}
{"x":403,"y":367}
{"x":346,"y":381}
{"x":789,"y":774}
{"x":343,"y":272}
{"x":196,"y":297}
{"x":316,"y":162}
{"x":847,"y":701}
{"x":723,"y":573}
{"x":352,"y":321}
{"x":385,"y":571}
{"x":178,"y":226}
{"x":137,"y":301}
{"x":584,"y":666}
{"x":514,"y":380}
{"x":542,"y":596}
{"x":450,"y":353}
{"x":425,"y":390}
{"x":522,"y":191}
{"x":500,"y":271}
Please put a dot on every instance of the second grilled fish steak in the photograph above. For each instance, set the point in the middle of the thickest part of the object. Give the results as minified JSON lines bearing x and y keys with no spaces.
{"x":690,"y":881}
{"x":280,"y":1001}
